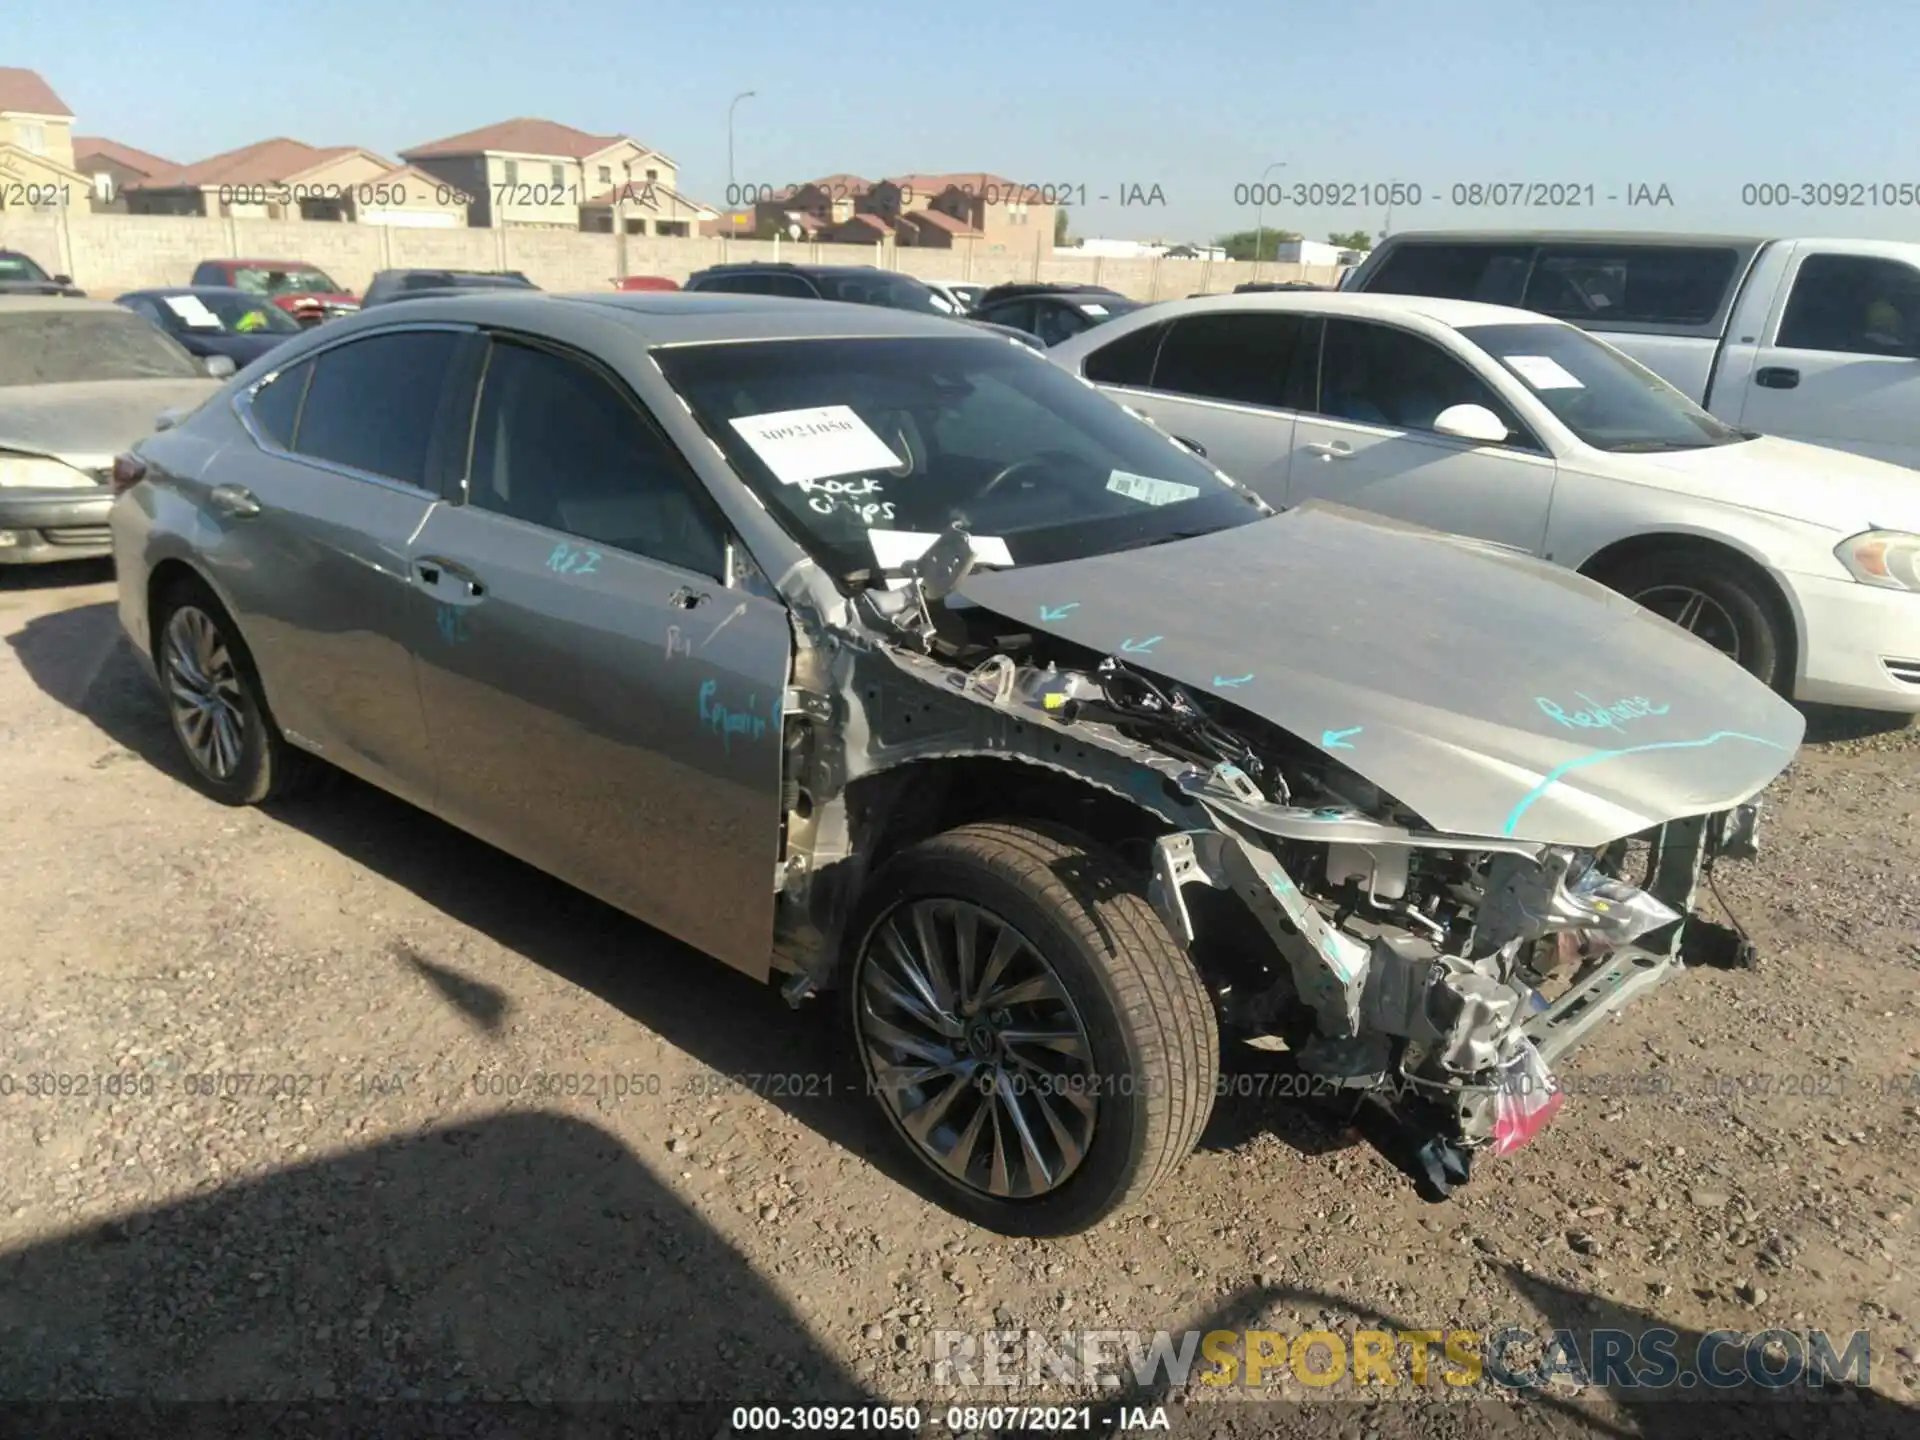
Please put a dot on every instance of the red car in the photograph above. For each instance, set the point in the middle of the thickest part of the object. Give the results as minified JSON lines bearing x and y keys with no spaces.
{"x":646,"y":282}
{"x":308,"y":294}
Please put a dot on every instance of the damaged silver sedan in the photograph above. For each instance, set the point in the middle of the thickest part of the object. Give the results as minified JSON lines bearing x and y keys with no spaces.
{"x":876,"y":655}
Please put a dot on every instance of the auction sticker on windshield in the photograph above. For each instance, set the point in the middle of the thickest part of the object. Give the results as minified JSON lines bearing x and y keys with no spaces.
{"x":1148,"y":490}
{"x":801,"y":446}
{"x":193,"y":310}
{"x":1543,"y":372}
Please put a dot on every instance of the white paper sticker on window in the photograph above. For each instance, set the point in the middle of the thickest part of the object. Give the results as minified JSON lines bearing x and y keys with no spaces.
{"x":1093,"y":309}
{"x":801,"y":446}
{"x":1148,"y":490}
{"x":193,"y":310}
{"x":894,"y":548}
{"x":1543,"y":372}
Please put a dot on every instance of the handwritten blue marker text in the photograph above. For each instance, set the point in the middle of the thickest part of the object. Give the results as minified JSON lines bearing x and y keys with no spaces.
{"x":748,"y":723}
{"x":571,"y":560}
{"x":1597,"y":716}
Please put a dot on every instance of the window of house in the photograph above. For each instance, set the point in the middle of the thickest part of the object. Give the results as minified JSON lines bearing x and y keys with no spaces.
{"x":1854,"y":304}
{"x":606,"y":174}
{"x":1244,"y":358}
{"x":653,"y":174}
{"x":557,"y":445}
{"x":511,"y":169}
{"x":33,"y":136}
{"x":1378,"y":375}
{"x":376,"y":404}
{"x":559,"y":174}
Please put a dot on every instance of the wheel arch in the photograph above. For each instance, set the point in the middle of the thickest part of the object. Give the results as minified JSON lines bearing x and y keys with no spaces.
{"x":1610,"y":559}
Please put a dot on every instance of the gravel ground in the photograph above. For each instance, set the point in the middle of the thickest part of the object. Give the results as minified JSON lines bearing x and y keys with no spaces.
{"x":406,"y":1214}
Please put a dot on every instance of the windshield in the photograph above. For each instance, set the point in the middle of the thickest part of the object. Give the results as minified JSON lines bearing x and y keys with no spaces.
{"x":866,"y":449}
{"x":266,"y":281}
{"x":1102,"y":308}
{"x":228,"y":315}
{"x":19,"y":267}
{"x":65,"y":347}
{"x":897,"y":292}
{"x":1605,"y":398}
{"x":968,"y":295}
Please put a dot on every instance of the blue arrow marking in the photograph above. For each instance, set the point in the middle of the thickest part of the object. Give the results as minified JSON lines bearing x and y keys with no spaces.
{"x":1057,"y":612}
{"x":1553,"y":776}
{"x":1337,"y":739}
{"x":1140,"y":647}
{"x":1221,"y":682}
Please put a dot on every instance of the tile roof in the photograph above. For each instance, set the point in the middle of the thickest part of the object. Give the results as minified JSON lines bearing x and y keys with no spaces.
{"x":143,"y":161}
{"x":24,"y":93}
{"x":266,"y":162}
{"x":939,"y":220}
{"x":522,"y":136}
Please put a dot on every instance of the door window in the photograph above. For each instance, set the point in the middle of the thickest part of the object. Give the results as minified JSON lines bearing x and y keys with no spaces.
{"x":1855,"y":304}
{"x":557,"y":445}
{"x":1244,"y":357}
{"x":275,"y":406}
{"x":1377,"y":375}
{"x":1493,"y":274}
{"x":379,"y":404}
{"x":1127,"y":360}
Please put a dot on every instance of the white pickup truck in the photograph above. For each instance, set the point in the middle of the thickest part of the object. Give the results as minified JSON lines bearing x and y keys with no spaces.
{"x":1815,"y":340}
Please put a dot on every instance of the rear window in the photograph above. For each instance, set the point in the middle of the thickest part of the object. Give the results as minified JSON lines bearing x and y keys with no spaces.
{"x":1128,"y":360}
{"x":1491,"y":274}
{"x":1630,"y":284}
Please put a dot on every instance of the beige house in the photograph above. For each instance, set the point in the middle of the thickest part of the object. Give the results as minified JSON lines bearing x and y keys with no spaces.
{"x":532,"y":172}
{"x":283,"y":179}
{"x":941,"y":211}
{"x":111,"y":167}
{"x":36,"y":146}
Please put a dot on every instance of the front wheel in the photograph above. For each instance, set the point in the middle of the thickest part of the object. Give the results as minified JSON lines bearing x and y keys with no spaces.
{"x":1040,"y":1043}
{"x":1716,"y":602}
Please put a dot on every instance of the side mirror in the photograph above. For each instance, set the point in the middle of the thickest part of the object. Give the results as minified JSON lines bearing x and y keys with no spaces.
{"x":219,"y":366}
{"x":63,"y":279}
{"x":1471,"y":422}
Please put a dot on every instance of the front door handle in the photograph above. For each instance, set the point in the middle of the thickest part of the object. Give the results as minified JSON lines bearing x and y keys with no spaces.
{"x":234,"y":500}
{"x":1329,"y":449}
{"x":431,"y":570}
{"x":1776,"y":377}
{"x":687,"y":598}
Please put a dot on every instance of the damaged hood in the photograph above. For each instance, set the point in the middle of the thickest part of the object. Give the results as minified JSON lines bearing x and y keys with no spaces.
{"x":88,"y":423}
{"x":1492,"y":693}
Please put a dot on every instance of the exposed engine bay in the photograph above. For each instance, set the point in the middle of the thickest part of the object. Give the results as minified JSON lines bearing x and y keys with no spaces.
{"x":1432,"y":978}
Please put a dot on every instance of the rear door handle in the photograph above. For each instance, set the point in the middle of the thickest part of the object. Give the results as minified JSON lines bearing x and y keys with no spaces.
{"x":687,"y":598}
{"x":1776,"y":377}
{"x":234,"y":500}
{"x":438,"y":574}
{"x":1329,"y":449}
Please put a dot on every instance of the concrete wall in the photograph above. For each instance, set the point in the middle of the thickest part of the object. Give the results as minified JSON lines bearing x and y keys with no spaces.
{"x":111,"y":254}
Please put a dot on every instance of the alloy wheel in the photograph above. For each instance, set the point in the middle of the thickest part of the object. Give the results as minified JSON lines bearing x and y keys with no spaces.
{"x":203,"y":692}
{"x":975,"y":1048}
{"x":1695,"y":611}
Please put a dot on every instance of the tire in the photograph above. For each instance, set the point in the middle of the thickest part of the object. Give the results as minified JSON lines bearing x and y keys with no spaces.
{"x":1121,"y":987}
{"x":1717,"y":601}
{"x":253,"y":761}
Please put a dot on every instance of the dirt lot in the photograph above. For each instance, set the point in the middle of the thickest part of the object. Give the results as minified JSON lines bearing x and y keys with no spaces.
{"x":390,"y":1222}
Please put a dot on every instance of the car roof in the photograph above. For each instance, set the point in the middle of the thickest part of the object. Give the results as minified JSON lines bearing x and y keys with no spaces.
{"x":223,"y":290}
{"x":1360,"y":304}
{"x":674,"y":317}
{"x":740,"y":266}
{"x":1569,"y":237}
{"x":66,"y":305}
{"x":305,"y":264}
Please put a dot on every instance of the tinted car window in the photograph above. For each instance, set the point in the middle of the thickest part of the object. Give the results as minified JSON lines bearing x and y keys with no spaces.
{"x":1856,"y":304}
{"x":275,"y":406}
{"x":1128,"y":360}
{"x":1493,"y":274}
{"x":1633,"y":284}
{"x":1016,"y":313}
{"x":1377,"y":375}
{"x":375,"y":404}
{"x":1054,"y":322}
{"x":556,"y":444}
{"x":1243,"y":357}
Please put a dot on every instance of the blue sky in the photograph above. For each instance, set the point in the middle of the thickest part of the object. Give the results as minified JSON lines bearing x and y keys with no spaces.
{"x":1196,"y":98}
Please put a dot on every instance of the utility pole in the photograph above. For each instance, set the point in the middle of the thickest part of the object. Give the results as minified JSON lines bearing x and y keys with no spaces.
{"x":734,"y":195}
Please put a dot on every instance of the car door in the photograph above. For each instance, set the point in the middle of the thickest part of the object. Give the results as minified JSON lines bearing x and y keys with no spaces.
{"x":1226,"y":380}
{"x":312,"y":528}
{"x":1014,"y":314}
{"x":1369,"y":442}
{"x":1840,"y":362}
{"x":603,"y":705}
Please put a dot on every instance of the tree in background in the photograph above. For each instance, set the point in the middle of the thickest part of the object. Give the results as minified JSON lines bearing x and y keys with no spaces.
{"x":1240,"y":244}
{"x":1352,"y":240}
{"x":1060,"y":226}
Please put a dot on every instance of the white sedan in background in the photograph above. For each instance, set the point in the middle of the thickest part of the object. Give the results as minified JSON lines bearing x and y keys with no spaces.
{"x":1802,"y":563}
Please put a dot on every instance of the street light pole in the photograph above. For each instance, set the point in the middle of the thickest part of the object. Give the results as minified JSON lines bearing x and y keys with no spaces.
{"x":1260,"y":226}
{"x":734,"y":194}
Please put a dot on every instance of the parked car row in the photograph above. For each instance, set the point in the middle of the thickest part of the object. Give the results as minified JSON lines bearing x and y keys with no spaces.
{"x":865,"y":650}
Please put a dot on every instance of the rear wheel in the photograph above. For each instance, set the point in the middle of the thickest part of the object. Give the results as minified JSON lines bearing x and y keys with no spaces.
{"x":234,"y":751}
{"x":1715,"y":600}
{"x":1042,"y":1046}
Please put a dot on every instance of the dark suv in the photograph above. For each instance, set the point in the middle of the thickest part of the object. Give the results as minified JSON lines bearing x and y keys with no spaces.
{"x":19,"y":275}
{"x":1052,"y":312}
{"x":849,"y":284}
